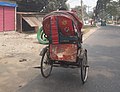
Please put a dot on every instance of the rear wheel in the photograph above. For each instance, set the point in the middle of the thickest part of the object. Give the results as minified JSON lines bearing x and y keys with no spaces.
{"x":46,"y":65}
{"x":84,"y":67}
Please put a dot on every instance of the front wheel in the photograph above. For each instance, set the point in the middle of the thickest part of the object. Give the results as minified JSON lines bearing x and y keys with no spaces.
{"x":46,"y":65}
{"x":84,"y":67}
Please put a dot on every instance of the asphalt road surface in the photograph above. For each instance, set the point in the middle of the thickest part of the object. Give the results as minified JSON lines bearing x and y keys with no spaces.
{"x":104,"y":73}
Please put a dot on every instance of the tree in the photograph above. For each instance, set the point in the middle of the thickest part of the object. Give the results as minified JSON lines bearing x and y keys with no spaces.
{"x":107,"y":7}
{"x":39,"y":5}
{"x":79,"y":11}
{"x":31,"y":5}
{"x":101,"y":6}
{"x":54,"y":5}
{"x":112,"y":8}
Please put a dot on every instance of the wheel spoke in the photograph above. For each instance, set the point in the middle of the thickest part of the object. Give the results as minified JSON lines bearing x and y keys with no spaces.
{"x":84,"y":68}
{"x":46,"y":66}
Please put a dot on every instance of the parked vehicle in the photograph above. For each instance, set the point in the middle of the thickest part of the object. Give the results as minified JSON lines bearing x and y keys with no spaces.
{"x":103,"y":23}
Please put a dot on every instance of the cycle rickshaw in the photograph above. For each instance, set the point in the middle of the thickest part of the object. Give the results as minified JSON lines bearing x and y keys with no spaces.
{"x":65,"y":44}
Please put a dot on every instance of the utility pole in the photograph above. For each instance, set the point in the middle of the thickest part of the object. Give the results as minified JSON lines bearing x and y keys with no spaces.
{"x":82,"y":10}
{"x":119,"y":2}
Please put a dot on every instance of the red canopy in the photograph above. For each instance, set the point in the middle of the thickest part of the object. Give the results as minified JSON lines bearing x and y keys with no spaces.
{"x":61,"y":22}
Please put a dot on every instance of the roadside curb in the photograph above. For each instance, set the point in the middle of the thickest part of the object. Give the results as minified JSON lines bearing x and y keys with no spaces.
{"x":85,"y":36}
{"x":115,"y":25}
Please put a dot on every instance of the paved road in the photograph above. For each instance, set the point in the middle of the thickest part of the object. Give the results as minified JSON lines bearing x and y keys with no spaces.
{"x":104,"y":75}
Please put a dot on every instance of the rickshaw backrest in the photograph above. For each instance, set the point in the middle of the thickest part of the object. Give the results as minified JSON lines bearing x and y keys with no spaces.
{"x":59,"y":28}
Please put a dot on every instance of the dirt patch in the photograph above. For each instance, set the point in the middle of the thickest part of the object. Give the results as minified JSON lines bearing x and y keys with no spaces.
{"x":19,"y":54}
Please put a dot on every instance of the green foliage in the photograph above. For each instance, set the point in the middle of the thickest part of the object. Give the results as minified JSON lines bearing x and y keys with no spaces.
{"x":79,"y":11}
{"x":107,"y":7}
{"x":31,"y":5}
{"x":40,"y":5}
{"x":55,"y":4}
{"x":112,"y":9}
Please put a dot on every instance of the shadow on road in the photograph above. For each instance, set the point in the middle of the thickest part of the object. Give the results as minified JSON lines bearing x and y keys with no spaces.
{"x":61,"y":80}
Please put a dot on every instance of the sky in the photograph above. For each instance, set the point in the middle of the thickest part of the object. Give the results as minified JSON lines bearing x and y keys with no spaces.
{"x":90,"y":3}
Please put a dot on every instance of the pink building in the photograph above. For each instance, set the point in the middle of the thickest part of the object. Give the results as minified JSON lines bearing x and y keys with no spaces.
{"x":7,"y":16}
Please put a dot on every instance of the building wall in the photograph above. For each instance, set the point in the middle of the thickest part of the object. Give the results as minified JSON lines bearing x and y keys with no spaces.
{"x":7,"y":18}
{"x":1,"y":18}
{"x":11,"y":1}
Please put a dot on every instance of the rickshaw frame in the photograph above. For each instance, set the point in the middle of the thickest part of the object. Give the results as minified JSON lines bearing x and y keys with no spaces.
{"x":80,"y":63}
